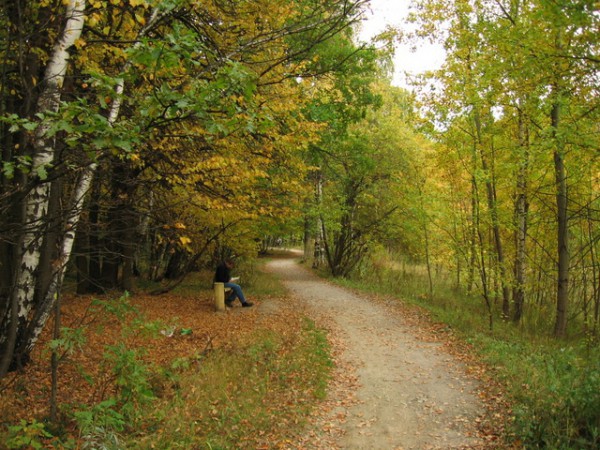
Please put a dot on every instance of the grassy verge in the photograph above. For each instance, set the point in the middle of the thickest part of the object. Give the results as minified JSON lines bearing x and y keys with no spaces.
{"x":553,"y":385}
{"x":243,"y":397}
{"x":254,"y":390}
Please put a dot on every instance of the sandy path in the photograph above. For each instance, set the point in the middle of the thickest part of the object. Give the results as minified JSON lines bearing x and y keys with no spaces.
{"x":409,"y":394}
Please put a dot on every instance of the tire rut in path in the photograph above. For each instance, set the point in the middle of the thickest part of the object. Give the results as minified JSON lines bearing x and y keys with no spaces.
{"x":410,"y":394}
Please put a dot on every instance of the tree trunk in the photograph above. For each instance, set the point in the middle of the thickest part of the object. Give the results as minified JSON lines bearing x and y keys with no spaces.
{"x":483,"y":273}
{"x":472,"y":263}
{"x":426,"y":238}
{"x":54,"y":360}
{"x":36,"y":201}
{"x":94,"y":240}
{"x":321,"y":248}
{"x":490,"y":186}
{"x":562,"y":238}
{"x":60,"y":264}
{"x":82,"y":251}
{"x":595,"y":271}
{"x":307,"y":237}
{"x":521,"y":212}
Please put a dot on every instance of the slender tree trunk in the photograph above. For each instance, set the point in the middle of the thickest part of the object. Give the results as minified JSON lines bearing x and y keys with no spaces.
{"x":129,"y":245}
{"x":54,"y":360}
{"x":320,"y":238}
{"x":490,"y":185}
{"x":37,"y":200}
{"x":94,"y":254}
{"x":60,"y":264}
{"x":562,"y":292}
{"x":427,"y":243}
{"x":457,"y":254}
{"x":473,"y":229}
{"x":521,"y":212}
{"x":307,"y":237}
{"x":483,"y":273}
{"x":82,"y":251}
{"x":593,"y":242}
{"x":52,"y":229}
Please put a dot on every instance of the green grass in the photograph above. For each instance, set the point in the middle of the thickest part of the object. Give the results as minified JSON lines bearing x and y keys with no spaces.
{"x":231,"y":398}
{"x":235,"y":397}
{"x":553,"y":385}
{"x":244,"y":397}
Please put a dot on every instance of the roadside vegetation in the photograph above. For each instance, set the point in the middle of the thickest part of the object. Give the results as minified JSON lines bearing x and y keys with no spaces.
{"x":552,"y":386}
{"x":142,"y":372}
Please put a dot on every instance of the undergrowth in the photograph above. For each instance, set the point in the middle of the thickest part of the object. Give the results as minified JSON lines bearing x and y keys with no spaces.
{"x":238,"y":396}
{"x":246,"y":398}
{"x":554,"y":385}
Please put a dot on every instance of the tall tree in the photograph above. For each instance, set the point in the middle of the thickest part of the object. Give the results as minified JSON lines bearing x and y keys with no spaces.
{"x":533,"y":91}
{"x":146,"y":82}
{"x":35,"y":204}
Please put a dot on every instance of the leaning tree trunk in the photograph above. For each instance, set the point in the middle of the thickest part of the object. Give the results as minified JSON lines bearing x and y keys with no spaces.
{"x":17,"y":324}
{"x":45,"y":307}
{"x":36,"y":201}
{"x":82,"y":187}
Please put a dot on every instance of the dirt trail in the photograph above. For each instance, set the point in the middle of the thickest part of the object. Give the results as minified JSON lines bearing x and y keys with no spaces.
{"x":408,"y":393}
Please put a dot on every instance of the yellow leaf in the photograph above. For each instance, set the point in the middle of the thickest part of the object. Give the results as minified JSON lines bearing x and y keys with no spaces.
{"x":185,"y":240}
{"x":93,"y":20}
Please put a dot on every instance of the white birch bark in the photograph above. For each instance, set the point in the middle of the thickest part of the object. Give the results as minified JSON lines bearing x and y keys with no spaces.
{"x":76,"y":207}
{"x":36,"y":201}
{"x":81,"y":189}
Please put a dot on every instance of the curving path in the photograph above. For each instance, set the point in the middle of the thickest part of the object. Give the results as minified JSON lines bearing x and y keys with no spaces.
{"x":408,"y":393}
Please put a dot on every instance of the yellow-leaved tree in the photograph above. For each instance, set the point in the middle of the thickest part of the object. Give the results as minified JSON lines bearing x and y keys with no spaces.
{"x":147,"y":106}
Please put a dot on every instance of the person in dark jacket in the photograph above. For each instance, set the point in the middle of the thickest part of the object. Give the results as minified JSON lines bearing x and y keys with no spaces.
{"x":223,"y":275}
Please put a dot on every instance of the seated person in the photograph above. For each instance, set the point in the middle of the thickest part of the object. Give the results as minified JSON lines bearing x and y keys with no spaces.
{"x":223,"y":275}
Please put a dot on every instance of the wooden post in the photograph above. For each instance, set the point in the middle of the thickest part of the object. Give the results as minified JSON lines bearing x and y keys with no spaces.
{"x":219,"y":296}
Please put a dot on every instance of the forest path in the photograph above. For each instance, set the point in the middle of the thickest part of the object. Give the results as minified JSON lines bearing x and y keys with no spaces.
{"x":392,"y":389}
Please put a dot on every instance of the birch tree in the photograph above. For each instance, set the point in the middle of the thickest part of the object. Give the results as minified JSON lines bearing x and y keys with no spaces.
{"x":200,"y":82}
{"x":16,"y":315}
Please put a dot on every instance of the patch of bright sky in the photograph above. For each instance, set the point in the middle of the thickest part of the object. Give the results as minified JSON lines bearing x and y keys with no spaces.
{"x":409,"y":59}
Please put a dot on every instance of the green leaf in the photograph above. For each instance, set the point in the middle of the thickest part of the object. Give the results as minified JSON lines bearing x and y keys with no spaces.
{"x":41,"y":172}
{"x":8,"y":168}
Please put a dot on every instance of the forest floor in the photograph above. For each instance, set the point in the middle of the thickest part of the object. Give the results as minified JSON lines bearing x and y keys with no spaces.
{"x":401,"y":381}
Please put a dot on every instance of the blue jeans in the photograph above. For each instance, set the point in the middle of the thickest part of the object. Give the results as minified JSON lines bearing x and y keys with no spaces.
{"x":236,"y":291}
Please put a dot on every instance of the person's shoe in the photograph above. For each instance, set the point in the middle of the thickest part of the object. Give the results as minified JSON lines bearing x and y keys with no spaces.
{"x":229,"y":303}
{"x":247,"y":304}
